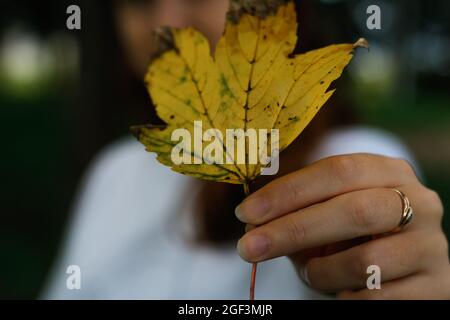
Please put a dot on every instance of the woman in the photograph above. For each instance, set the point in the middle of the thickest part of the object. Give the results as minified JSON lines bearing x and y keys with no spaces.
{"x":339,"y":206}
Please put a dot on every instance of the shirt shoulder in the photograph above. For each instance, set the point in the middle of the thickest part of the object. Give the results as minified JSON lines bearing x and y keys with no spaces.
{"x":362,"y":139}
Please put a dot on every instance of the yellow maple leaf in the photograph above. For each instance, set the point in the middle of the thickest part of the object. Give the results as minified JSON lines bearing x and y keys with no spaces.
{"x":253,"y":81}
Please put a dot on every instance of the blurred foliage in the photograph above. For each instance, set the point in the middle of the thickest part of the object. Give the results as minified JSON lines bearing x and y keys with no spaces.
{"x":424,"y":125}
{"x":36,"y":186}
{"x":40,"y":171}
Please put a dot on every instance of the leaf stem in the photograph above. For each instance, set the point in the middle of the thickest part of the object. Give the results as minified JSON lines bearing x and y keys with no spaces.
{"x":255,"y":264}
{"x":246,"y":189}
{"x":253,"y":281}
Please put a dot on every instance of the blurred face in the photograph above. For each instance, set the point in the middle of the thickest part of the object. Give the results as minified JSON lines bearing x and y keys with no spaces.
{"x":137,"y":18}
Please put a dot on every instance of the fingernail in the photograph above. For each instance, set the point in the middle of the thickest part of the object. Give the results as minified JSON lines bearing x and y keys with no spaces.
{"x":253,"y":246}
{"x":252,"y":209}
{"x":304,"y":275}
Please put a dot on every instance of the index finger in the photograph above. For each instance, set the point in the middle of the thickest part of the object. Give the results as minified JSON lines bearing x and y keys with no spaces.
{"x":324,"y":179}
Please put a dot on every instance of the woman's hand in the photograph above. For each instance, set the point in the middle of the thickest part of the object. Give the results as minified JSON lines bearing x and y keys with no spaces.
{"x":335,"y":218}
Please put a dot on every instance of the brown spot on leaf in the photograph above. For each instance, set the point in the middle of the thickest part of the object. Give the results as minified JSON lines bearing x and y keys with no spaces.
{"x":164,"y":41}
{"x":258,"y":8}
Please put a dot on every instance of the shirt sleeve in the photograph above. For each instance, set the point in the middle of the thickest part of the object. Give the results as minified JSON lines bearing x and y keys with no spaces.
{"x":94,"y":229}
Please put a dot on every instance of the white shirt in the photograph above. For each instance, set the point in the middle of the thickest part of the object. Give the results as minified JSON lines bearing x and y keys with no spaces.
{"x":124,"y":233}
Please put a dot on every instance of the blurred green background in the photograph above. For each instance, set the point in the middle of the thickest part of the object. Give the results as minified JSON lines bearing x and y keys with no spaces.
{"x":401,"y":85}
